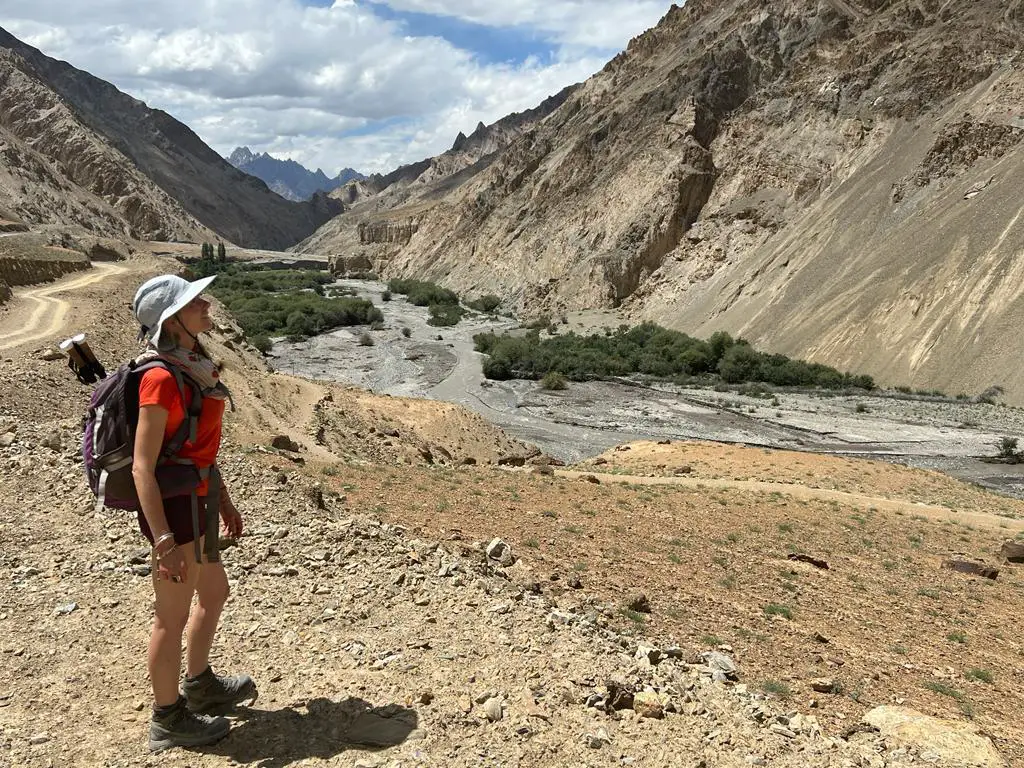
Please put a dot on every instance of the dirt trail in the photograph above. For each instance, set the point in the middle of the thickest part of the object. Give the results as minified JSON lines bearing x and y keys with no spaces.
{"x":48,"y":312}
{"x":931,"y":511}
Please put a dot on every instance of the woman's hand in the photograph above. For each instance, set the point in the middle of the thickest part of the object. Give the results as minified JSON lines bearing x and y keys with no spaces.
{"x":232,"y":520}
{"x":172,"y":566}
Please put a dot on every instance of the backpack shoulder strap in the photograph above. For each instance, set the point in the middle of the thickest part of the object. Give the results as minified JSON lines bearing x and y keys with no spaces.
{"x":190,"y":424}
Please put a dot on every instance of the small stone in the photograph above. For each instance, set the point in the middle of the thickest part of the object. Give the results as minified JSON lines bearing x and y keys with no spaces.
{"x":425,"y":697}
{"x":500,"y":552}
{"x":39,"y":738}
{"x":7,"y":439}
{"x":281,"y":533}
{"x":781,"y":730}
{"x":65,"y":609}
{"x":824,"y":685}
{"x":649,"y":704}
{"x":493,"y":709}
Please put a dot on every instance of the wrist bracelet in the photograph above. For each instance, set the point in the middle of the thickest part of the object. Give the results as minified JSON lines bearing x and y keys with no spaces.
{"x":162,"y":555}
{"x":162,"y":539}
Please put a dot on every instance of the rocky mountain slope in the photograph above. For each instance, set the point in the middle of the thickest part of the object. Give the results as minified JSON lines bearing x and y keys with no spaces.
{"x":76,"y":151}
{"x":289,"y":179}
{"x":831,"y":179}
{"x":384,"y":210}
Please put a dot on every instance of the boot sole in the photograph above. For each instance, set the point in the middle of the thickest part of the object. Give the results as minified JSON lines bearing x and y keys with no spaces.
{"x":159,"y":745}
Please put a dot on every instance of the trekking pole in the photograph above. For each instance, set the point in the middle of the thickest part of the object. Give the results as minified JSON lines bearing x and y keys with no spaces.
{"x":81,"y":359}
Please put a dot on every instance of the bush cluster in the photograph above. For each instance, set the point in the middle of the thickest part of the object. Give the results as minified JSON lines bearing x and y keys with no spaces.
{"x":653,"y":351}
{"x":442,"y":315}
{"x":487,"y":303}
{"x":286,"y":302}
{"x":422,"y":293}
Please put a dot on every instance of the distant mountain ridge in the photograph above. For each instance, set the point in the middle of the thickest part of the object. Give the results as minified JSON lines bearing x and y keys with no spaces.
{"x":76,"y":151}
{"x":291,"y":180}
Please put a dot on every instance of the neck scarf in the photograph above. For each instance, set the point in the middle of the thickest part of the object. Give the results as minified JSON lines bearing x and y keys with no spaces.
{"x":198,"y":367}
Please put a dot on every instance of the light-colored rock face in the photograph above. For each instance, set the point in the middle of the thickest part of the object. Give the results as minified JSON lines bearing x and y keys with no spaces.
{"x":791,"y":171}
{"x":955,"y":742}
{"x":76,"y":151}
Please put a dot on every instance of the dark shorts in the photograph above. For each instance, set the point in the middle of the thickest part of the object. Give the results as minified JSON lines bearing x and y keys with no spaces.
{"x":178,"y":510}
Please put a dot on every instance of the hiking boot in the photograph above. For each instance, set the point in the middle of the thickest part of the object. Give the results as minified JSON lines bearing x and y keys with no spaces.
{"x":175,"y":726}
{"x":208,"y":692}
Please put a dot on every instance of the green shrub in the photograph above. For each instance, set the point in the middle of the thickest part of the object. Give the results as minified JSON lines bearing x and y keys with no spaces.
{"x":554,"y":381}
{"x":486,"y":303}
{"x":444,"y":315}
{"x":365,"y":340}
{"x":422,"y":294}
{"x":407,"y":332}
{"x":386,"y":296}
{"x":262,"y":342}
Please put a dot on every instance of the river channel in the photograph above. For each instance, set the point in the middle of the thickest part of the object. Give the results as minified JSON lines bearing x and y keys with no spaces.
{"x":588,"y":418}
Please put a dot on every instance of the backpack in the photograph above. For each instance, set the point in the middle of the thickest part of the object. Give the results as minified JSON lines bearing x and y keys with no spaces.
{"x":108,"y":447}
{"x":108,"y":440}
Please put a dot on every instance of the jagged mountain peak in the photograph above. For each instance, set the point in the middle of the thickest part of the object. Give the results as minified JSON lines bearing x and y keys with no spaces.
{"x":287,"y":177}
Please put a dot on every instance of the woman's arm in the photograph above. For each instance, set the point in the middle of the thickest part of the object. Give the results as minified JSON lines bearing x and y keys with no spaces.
{"x":149,"y":440}
{"x":229,"y":514}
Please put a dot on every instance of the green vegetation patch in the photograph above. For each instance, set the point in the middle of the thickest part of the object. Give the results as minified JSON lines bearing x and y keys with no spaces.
{"x":653,"y":351}
{"x":289,"y":302}
{"x":422,"y":293}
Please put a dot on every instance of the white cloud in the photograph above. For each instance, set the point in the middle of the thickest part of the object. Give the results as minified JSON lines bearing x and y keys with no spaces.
{"x":292,"y":79}
{"x":589,"y":23}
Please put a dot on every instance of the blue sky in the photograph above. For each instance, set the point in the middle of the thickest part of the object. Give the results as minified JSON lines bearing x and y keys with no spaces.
{"x":368,"y":84}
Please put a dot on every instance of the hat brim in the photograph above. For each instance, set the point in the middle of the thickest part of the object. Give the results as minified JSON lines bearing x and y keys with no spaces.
{"x":195,"y":288}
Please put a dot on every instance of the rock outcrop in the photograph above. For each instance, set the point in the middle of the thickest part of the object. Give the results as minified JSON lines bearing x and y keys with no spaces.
{"x":832,"y":180}
{"x":74,"y":150}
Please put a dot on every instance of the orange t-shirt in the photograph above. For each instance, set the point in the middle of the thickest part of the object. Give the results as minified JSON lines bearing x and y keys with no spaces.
{"x":158,"y":387}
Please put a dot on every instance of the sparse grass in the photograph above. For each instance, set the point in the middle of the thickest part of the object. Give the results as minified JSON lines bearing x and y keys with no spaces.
{"x":945,"y":690}
{"x":574,"y":529}
{"x":580,"y":566}
{"x":729,"y":582}
{"x":897,"y":648}
{"x":957,"y":637}
{"x":785,"y":527}
{"x":776,"y":688}
{"x":674,"y":558}
{"x":635,"y":616}
{"x":774,"y":609}
{"x":711,"y":640}
{"x":981,"y":675}
{"x":929,"y":592}
{"x":532,"y":543}
{"x":733,"y":537}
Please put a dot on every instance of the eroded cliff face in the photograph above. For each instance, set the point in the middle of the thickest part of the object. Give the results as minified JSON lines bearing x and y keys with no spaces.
{"x":794,"y":171}
{"x":76,"y":151}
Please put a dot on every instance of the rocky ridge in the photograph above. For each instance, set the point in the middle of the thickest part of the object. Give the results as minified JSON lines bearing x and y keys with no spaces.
{"x":816,"y":176}
{"x":362,"y":231}
{"x":76,"y":151}
{"x":288,"y":178}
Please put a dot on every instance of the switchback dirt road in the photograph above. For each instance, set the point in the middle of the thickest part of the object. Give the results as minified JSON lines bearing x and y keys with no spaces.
{"x":39,"y":312}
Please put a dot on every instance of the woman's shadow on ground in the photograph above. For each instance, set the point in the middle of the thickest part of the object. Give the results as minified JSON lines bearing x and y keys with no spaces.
{"x":277,"y":738}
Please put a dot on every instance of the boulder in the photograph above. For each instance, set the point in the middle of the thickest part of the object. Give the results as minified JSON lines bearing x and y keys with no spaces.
{"x":284,"y":443}
{"x":956,"y":741}
{"x":1013,"y":551}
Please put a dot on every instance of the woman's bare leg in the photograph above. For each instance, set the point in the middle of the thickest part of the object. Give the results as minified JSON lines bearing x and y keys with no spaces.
{"x":172,"y":609}
{"x":212,"y":590}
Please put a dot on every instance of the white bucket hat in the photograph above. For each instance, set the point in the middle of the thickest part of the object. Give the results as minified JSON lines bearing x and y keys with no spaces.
{"x":161,"y":298}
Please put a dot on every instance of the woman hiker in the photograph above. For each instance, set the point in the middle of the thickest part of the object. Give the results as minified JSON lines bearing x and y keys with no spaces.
{"x":173,"y":314}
